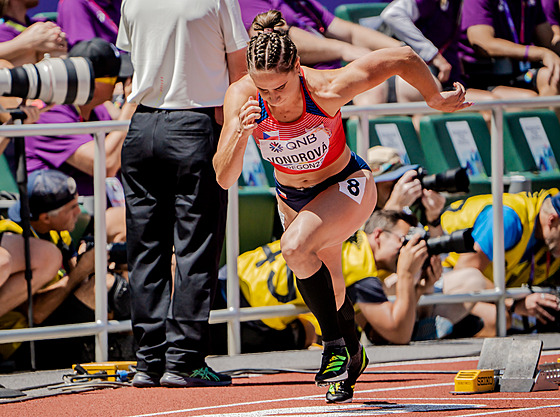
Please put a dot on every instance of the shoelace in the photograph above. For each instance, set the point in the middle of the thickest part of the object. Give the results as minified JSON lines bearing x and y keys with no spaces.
{"x":205,"y":373}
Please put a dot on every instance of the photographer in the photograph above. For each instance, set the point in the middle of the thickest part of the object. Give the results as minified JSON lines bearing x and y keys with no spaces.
{"x":399,"y":188}
{"x":70,"y":295}
{"x":532,"y":251}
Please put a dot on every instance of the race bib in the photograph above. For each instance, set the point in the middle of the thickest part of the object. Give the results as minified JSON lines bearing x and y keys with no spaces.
{"x":305,"y":152}
{"x":353,"y":188}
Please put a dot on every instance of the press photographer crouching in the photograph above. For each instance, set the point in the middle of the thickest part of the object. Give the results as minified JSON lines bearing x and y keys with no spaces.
{"x":70,"y":296}
{"x":407,"y":187}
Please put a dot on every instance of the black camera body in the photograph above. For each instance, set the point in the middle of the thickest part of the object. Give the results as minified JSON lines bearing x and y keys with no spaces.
{"x":116,"y":251}
{"x":455,"y":180}
{"x":460,"y":241}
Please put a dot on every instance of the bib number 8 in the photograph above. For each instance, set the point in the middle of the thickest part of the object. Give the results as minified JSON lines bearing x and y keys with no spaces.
{"x":353,"y":187}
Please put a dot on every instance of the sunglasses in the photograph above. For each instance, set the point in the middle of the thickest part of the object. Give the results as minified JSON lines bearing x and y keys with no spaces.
{"x":107,"y":80}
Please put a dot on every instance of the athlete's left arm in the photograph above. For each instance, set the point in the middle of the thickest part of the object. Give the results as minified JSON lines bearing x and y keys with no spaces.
{"x":374,"y":68}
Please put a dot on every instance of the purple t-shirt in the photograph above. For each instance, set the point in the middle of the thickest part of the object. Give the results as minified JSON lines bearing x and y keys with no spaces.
{"x":551,"y":11}
{"x":10,"y":28}
{"x":87,"y":19}
{"x":493,"y":13}
{"x":440,"y":27}
{"x":308,"y":15}
{"x":52,"y":151}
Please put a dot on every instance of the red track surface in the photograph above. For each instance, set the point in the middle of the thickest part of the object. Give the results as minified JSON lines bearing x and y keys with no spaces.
{"x":296,"y":395}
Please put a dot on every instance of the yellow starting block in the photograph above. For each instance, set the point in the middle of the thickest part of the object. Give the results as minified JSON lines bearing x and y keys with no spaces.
{"x":109,"y":368}
{"x":474,"y":381}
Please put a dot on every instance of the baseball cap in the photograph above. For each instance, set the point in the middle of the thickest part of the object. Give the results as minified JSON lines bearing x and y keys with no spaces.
{"x":556,"y":203}
{"x":106,"y":59}
{"x":48,"y":190}
{"x":386,"y":164}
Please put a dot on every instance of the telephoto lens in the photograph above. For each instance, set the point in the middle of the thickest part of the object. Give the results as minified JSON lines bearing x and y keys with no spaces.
{"x":52,"y":80}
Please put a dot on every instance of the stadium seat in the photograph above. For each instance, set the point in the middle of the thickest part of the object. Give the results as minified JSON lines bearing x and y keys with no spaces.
{"x":359,"y":12}
{"x":385,"y":131}
{"x":442,"y":148}
{"x":529,"y":136}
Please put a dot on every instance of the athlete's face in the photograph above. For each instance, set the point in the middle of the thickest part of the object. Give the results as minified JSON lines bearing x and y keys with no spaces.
{"x":277,"y":88}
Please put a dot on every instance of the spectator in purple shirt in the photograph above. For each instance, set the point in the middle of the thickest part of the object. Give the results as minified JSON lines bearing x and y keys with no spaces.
{"x":324,"y":41}
{"x":87,"y":19}
{"x":508,"y":42}
{"x":551,"y":10}
{"x":24,"y":40}
{"x":431,"y":28}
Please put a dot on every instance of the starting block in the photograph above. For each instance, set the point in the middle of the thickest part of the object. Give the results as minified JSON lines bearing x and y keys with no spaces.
{"x":109,"y":368}
{"x":509,"y":365}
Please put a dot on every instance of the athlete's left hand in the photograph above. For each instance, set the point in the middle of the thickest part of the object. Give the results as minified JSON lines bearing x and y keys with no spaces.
{"x":450,"y":101}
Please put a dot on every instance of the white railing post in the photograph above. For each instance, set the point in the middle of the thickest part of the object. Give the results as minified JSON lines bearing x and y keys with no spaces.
{"x":498,"y":264}
{"x":232,"y":252}
{"x":362,"y":140}
{"x":100,"y":237}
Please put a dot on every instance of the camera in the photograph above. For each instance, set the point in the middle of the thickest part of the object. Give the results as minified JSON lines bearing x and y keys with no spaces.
{"x":459,"y":241}
{"x":52,"y":80}
{"x":116,"y":251}
{"x":454,"y":180}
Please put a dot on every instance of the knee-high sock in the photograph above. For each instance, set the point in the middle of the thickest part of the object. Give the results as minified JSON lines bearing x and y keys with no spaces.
{"x":347,"y":327}
{"x":317,"y":292}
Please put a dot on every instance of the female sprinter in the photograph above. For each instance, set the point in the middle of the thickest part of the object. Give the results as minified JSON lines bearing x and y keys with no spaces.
{"x":325,"y":192}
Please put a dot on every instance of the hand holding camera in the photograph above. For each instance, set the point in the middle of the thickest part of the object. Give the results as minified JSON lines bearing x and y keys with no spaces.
{"x":412,"y":256}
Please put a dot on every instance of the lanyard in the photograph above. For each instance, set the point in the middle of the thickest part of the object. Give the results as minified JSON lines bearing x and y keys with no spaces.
{"x":505,"y":7}
{"x":523,"y":66}
{"x":303,"y":7}
{"x":15,"y":25}
{"x":97,"y":9}
{"x":532,"y":274}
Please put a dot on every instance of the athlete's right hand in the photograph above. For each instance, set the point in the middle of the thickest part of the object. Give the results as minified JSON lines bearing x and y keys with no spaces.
{"x":248,"y":114}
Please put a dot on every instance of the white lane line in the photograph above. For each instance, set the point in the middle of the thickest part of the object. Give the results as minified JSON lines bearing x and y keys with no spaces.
{"x":510,"y":410}
{"x":305,"y":397}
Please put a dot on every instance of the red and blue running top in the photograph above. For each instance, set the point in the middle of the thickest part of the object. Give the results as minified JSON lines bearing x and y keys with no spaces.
{"x":312,"y":142}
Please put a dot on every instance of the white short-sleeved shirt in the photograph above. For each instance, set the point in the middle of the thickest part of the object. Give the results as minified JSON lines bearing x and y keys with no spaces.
{"x":178,"y":49}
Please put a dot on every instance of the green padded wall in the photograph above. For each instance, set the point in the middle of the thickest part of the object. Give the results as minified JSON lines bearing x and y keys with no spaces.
{"x":257,"y":212}
{"x":7,"y":180}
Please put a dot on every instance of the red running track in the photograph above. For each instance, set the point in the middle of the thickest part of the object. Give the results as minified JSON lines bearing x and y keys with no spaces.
{"x":296,"y":395}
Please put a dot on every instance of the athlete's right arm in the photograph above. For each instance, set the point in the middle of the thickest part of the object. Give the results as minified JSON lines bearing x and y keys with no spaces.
{"x":240,"y":112}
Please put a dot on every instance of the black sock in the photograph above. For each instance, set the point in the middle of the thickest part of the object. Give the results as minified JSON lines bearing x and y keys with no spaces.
{"x":347,"y":327}
{"x":318,"y":294}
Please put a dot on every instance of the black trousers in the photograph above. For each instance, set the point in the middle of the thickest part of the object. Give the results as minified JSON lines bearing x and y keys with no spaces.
{"x":172,"y":202}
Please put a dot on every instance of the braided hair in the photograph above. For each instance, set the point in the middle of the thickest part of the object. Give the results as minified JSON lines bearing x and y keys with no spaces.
{"x":271,"y":49}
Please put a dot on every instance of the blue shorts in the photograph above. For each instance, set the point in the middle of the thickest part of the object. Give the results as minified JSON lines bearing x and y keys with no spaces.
{"x":297,"y":198}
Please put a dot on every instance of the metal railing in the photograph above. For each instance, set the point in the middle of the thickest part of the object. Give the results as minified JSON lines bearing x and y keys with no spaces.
{"x":234,"y":315}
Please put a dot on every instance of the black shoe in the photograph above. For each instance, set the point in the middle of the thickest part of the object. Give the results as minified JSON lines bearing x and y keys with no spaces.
{"x":340,"y":392}
{"x":334,"y":365}
{"x":201,"y":377}
{"x":343,"y":391}
{"x":145,"y":380}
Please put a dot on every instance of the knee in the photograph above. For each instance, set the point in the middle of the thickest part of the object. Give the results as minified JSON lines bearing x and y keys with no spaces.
{"x":294,"y":248}
{"x":465,"y":280}
{"x":47,"y":261}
